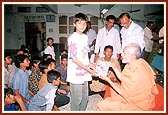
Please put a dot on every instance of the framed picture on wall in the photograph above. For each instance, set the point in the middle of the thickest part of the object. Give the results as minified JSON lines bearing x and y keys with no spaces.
{"x":50,"y":18}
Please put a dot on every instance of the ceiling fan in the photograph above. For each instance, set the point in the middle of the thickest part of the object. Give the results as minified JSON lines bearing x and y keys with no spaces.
{"x":131,"y":10}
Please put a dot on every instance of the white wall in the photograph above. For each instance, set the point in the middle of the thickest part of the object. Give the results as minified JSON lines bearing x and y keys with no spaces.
{"x":14,"y":24}
{"x":51,"y":31}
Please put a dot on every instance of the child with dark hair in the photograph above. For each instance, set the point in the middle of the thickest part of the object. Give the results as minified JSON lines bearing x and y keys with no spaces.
{"x":44,"y":99}
{"x":99,"y":85}
{"x":47,"y":56}
{"x":20,"y":79}
{"x":78,"y":71}
{"x":10,"y":101}
{"x":64,"y":51}
{"x":50,"y":49}
{"x":9,"y":70}
{"x":52,"y":62}
{"x":44,"y":67}
{"x":35,"y":75}
{"x":62,"y":68}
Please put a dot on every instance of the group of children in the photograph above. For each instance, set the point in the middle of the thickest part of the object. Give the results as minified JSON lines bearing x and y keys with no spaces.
{"x":34,"y":84}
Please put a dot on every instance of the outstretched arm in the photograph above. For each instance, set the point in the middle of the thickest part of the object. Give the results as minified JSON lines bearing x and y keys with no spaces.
{"x":80,"y":64}
{"x":116,"y":88}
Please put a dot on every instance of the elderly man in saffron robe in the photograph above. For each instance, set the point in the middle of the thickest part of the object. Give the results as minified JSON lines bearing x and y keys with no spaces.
{"x":137,"y":89}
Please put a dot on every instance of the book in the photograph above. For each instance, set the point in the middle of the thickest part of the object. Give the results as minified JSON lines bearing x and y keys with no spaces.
{"x":102,"y":68}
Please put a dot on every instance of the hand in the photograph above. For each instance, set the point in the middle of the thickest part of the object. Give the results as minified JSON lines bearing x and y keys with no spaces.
{"x":94,"y":74}
{"x":96,"y":57}
{"x":61,"y":91}
{"x":28,"y":102}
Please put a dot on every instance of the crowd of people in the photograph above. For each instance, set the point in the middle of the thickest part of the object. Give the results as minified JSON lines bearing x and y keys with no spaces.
{"x":40,"y":84}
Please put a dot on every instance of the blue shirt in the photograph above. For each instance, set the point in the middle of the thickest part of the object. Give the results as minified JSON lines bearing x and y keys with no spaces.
{"x":44,"y":99}
{"x":20,"y":82}
{"x":63,"y":72}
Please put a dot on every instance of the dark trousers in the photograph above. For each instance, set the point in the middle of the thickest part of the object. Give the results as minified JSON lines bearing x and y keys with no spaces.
{"x":61,"y":100}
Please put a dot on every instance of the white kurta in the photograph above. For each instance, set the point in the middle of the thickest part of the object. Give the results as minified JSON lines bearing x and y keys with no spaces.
{"x":133,"y":34}
{"x":50,"y":50}
{"x":105,"y":38}
{"x":148,"y":41}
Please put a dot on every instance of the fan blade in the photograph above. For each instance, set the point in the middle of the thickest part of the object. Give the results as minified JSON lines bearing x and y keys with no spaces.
{"x":131,"y":11}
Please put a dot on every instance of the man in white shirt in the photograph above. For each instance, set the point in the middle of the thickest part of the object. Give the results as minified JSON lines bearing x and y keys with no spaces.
{"x":91,"y":33}
{"x":108,"y":35}
{"x":149,"y":38}
{"x":50,"y":49}
{"x":131,"y":32}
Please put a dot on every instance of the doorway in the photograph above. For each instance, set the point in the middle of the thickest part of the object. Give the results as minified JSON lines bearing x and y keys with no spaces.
{"x":34,"y":35}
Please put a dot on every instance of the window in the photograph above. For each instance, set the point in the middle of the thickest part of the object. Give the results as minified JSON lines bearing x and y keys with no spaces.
{"x":63,"y":24}
{"x":24,"y":9}
{"x":41,"y":10}
{"x":94,"y":22}
{"x":66,"y":24}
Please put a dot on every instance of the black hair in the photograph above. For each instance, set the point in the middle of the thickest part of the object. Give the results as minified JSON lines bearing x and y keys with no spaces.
{"x":7,"y":91}
{"x":50,"y":38}
{"x":51,"y":60}
{"x":112,"y":17}
{"x":35,"y":60}
{"x":108,"y":46}
{"x":125,"y":14}
{"x":64,"y":56}
{"x":43,"y":65}
{"x":89,"y":23}
{"x":46,"y":55}
{"x":19,"y":50}
{"x":80,"y":16}
{"x":64,"y":50}
{"x":6,"y":54}
{"x":52,"y":75}
{"x":149,"y":23}
{"x":20,"y":59}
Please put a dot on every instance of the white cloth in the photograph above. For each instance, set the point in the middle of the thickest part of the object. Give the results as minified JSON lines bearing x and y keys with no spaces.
{"x":161,"y":34}
{"x":91,"y":36}
{"x":50,"y":99}
{"x":133,"y":34}
{"x":148,"y":41}
{"x":116,"y":26}
{"x":105,"y":38}
{"x":50,"y":50}
{"x":78,"y":48}
{"x":8,"y":75}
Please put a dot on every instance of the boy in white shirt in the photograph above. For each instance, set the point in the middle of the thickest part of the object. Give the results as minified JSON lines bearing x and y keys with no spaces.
{"x":50,"y":49}
{"x":78,"y":71}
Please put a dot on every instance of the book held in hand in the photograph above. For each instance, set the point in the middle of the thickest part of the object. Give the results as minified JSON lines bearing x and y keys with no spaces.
{"x":102,"y":68}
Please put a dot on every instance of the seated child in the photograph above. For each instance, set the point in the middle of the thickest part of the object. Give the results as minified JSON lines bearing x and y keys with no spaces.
{"x":10,"y":101}
{"x":64,"y":51}
{"x":62,"y":68}
{"x":97,"y":84}
{"x":44,"y":99}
